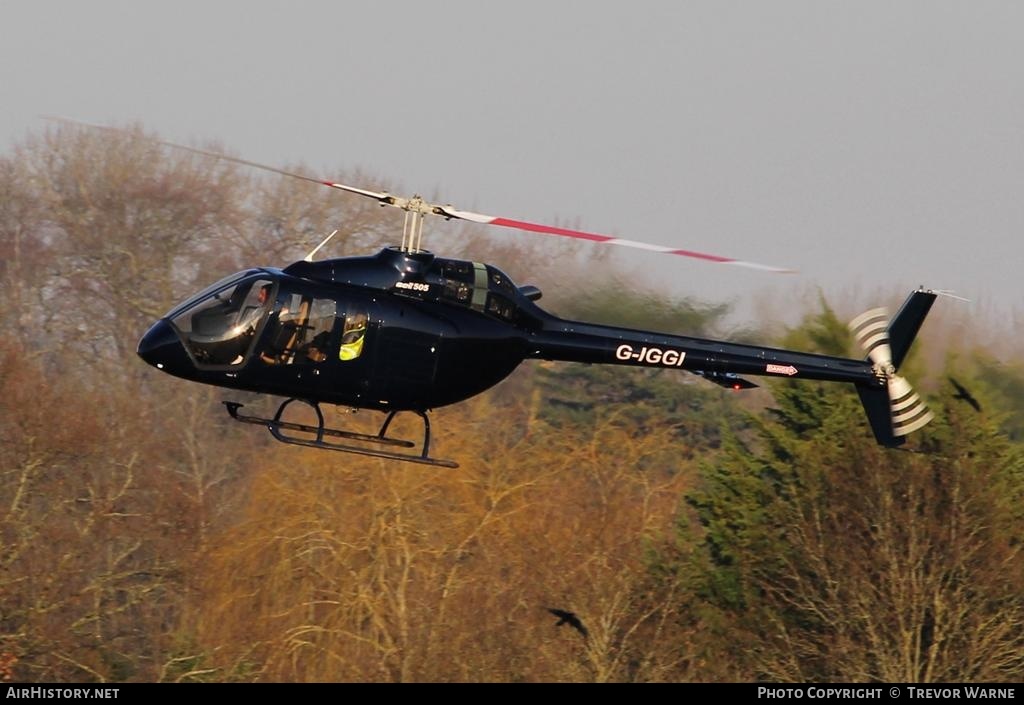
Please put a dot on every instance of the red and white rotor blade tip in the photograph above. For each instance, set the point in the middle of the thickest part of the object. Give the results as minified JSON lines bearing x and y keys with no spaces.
{"x":450,"y":212}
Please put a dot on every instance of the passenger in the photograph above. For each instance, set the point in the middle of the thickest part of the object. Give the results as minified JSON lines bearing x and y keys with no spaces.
{"x":316,"y":348}
{"x":352,"y":340}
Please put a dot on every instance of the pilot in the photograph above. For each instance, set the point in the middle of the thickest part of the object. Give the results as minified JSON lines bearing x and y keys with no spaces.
{"x":264,"y":294}
{"x":284,"y":330}
{"x":249,"y":317}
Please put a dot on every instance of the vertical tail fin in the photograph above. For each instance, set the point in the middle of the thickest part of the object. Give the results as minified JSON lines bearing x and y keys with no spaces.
{"x":907,"y":323}
{"x":893,"y":408}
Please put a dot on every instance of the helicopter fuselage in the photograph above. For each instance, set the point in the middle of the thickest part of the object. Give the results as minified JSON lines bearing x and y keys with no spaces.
{"x":411,"y":331}
{"x":404,"y":330}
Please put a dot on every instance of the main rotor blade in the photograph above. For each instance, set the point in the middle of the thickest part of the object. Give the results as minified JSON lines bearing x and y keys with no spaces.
{"x":418,"y":205}
{"x":450,"y":212}
{"x":381,"y":196}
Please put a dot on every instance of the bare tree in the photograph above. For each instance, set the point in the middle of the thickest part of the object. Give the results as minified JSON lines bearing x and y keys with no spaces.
{"x":132,"y":224}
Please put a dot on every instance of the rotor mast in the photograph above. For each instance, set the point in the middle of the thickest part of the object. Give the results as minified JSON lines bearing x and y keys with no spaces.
{"x":416,"y":209}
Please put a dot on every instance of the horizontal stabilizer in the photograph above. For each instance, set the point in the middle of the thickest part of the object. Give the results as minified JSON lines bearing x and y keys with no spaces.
{"x":726,"y":379}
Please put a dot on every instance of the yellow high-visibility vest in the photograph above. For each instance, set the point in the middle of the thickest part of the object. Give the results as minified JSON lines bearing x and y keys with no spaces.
{"x":350,"y":351}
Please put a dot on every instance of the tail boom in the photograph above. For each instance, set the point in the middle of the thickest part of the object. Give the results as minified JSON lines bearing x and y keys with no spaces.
{"x":892,"y":407}
{"x":572,"y":341}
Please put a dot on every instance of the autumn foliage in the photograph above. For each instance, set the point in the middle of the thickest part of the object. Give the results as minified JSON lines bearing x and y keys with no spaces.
{"x":698,"y":535}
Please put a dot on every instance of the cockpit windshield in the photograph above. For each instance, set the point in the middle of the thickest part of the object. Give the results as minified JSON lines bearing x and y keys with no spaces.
{"x":219,"y":325}
{"x":217,"y":286}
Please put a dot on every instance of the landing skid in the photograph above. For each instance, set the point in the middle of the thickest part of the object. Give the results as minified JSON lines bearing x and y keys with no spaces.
{"x":277,"y":427}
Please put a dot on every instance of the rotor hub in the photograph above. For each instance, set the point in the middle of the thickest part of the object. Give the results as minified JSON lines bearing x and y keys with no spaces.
{"x":885,"y":370}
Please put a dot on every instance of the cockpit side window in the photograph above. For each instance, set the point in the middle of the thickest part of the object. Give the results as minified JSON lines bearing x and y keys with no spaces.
{"x":220,"y":329}
{"x":300,"y":332}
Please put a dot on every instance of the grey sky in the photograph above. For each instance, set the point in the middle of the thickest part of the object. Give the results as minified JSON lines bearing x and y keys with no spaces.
{"x":870,"y":145}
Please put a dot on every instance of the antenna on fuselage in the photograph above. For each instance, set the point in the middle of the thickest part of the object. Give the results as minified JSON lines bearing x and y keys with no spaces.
{"x":309,"y":257}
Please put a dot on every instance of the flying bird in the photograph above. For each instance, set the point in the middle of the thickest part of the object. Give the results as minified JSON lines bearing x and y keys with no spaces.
{"x":962,"y":393}
{"x":570,"y":618}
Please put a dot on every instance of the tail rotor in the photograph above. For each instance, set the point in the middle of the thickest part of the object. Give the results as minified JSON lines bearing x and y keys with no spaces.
{"x":873,"y":331}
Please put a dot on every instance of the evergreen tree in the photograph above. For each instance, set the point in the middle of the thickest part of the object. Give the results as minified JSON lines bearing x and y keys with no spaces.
{"x":827,"y":558}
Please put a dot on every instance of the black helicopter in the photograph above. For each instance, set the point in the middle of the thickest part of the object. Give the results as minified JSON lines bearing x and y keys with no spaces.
{"x":405,"y":330}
